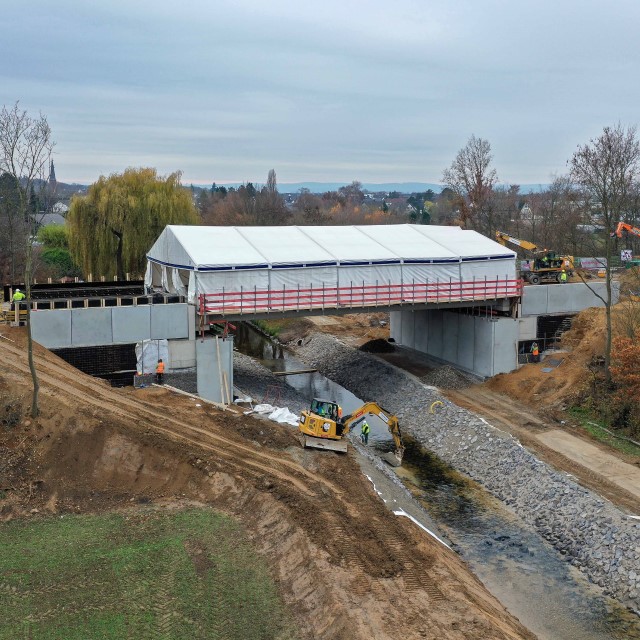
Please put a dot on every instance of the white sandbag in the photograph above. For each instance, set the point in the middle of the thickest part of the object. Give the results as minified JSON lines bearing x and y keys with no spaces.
{"x":284,"y":416}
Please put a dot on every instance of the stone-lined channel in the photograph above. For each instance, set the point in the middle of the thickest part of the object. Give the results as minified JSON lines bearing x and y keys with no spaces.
{"x":516,"y":564}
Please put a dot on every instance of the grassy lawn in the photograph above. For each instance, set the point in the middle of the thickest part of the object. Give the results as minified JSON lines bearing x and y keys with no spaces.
{"x":596,"y":429}
{"x":149,"y":574}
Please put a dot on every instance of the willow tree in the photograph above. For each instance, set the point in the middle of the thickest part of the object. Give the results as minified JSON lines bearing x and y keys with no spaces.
{"x":115,"y":224}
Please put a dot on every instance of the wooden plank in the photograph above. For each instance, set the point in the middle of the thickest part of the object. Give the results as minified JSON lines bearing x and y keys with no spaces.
{"x":293,"y":373}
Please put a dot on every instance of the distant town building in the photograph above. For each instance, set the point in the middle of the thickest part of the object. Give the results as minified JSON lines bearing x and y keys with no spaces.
{"x":45,"y":219}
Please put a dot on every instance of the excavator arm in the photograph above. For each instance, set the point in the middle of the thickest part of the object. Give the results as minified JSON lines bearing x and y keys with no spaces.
{"x":623,"y":226}
{"x":504,"y":238}
{"x":388,"y":418}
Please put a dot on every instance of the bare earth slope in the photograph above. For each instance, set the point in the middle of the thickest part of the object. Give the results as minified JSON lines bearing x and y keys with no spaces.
{"x":344,"y":564}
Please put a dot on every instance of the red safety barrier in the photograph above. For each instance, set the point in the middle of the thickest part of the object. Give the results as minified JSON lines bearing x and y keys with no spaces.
{"x":355,"y":296}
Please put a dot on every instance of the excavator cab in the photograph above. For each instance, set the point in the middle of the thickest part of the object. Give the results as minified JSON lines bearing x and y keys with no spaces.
{"x":321,"y":428}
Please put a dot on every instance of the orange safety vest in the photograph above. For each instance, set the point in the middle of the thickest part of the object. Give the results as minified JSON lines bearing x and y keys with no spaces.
{"x":536,"y":351}
{"x":160,"y":367}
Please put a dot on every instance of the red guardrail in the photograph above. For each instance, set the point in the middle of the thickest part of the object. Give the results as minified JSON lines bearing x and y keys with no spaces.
{"x":251,"y":301}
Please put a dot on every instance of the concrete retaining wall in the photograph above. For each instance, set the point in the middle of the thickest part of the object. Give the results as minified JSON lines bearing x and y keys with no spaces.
{"x":480,"y":345}
{"x":92,"y":327}
{"x":545,"y":300}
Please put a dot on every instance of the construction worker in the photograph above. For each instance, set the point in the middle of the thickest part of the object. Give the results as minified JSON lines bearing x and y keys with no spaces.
{"x":340,"y":413}
{"x":364,"y":432}
{"x":563,"y":277}
{"x":160,"y":372}
{"x":18,"y":297}
{"x":535,"y":352}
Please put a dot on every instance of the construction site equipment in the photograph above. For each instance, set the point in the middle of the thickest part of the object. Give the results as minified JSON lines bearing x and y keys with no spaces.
{"x":547,"y":265}
{"x":321,"y":428}
{"x":623,"y":229}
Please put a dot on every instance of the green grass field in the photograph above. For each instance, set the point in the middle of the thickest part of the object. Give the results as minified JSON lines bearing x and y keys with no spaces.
{"x":148,"y":574}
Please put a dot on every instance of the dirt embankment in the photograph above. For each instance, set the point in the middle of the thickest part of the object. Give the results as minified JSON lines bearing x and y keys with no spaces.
{"x":344,"y":564}
{"x":564,"y":383}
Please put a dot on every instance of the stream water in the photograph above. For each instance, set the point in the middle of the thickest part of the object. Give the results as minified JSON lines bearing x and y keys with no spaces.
{"x":547,"y":594}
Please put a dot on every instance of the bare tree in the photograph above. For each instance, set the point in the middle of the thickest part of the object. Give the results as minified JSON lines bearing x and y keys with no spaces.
{"x":25,"y":153}
{"x":472,"y":179}
{"x":606,"y":168}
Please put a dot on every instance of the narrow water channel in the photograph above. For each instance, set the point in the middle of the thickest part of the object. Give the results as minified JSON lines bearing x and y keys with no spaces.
{"x":547,"y":594}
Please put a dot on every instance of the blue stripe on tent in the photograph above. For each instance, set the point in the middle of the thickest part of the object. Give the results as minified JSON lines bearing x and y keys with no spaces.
{"x":436,"y":261}
{"x":300,"y":266}
{"x":367,"y":263}
{"x":170,"y":264}
{"x":236,"y":268}
{"x":481,"y":258}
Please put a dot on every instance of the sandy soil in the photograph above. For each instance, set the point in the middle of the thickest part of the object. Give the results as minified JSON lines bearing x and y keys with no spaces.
{"x":346,"y":567}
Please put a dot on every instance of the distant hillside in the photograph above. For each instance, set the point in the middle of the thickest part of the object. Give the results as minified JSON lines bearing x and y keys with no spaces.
{"x":321,"y":187}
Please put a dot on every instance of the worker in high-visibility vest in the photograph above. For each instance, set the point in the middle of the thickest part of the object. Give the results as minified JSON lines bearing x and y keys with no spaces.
{"x":535,"y":352}
{"x":18,"y":297}
{"x":364,"y":432}
{"x":563,"y":277}
{"x":160,"y":372}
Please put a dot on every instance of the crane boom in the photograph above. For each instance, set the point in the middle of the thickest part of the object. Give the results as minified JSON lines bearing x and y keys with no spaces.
{"x":623,"y":226}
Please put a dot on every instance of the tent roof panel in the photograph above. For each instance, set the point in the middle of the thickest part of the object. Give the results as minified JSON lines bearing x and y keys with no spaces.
{"x":285,"y":245}
{"x":201,"y":247}
{"x":407,"y":243}
{"x":349,"y":244}
{"x":465,"y":243}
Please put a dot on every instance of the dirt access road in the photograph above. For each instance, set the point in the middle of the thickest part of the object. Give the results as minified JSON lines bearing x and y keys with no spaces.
{"x":346,"y":567}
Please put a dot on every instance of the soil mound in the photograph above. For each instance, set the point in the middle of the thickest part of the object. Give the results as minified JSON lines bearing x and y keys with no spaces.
{"x":345,"y":566}
{"x":563,"y":384}
{"x":377,"y":346}
{"x":447,"y":377}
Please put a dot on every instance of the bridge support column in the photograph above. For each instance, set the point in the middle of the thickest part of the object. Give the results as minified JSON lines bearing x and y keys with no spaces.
{"x":214,"y":363}
{"x":483,"y":346}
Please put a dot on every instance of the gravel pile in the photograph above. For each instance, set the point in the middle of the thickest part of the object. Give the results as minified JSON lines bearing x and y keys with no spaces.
{"x":591,"y":533}
{"x":447,"y":377}
{"x":378,"y":346}
{"x":253,"y":379}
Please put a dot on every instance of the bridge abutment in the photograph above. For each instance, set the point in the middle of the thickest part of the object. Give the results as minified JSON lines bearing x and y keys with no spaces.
{"x":484,"y":346}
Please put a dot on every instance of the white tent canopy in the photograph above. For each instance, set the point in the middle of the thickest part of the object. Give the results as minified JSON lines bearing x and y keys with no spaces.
{"x":194,"y":259}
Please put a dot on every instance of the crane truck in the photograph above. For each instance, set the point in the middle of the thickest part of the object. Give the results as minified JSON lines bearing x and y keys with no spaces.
{"x":547,"y":265}
{"x":321,"y":427}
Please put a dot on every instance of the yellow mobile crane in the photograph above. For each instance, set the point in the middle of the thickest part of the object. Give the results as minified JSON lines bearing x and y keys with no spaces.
{"x":322,"y":428}
{"x":547,"y":265}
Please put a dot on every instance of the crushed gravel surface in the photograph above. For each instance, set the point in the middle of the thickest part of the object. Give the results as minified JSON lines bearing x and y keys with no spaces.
{"x":591,"y":533}
{"x":447,"y":377}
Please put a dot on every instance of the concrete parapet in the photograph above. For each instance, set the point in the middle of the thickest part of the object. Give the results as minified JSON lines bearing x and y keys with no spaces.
{"x":89,"y":327}
{"x":550,"y":299}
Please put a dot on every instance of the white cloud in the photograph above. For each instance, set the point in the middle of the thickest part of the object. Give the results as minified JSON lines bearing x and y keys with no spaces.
{"x":329,"y":90}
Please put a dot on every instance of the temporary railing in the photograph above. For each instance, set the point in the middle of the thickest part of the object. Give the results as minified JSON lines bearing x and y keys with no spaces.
{"x":252,"y":301}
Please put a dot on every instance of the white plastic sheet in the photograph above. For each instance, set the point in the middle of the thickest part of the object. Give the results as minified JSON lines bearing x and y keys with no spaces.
{"x":277,"y":414}
{"x":148,"y":352}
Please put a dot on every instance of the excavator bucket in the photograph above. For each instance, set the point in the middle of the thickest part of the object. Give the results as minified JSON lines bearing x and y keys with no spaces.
{"x":324,"y":443}
{"x":392,"y":458}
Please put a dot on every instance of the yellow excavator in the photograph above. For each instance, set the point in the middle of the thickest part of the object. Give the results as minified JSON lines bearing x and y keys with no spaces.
{"x":321,"y":427}
{"x":547,"y":265}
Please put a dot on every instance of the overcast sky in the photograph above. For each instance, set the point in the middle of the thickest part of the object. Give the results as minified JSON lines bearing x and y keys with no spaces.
{"x":331,"y":90}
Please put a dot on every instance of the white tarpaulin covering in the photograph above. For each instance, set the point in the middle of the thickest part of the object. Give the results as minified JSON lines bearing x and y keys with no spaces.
{"x":212,"y":260}
{"x":148,"y":352}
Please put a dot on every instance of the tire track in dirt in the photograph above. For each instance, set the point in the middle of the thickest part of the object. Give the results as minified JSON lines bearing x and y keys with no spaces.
{"x":104,"y":399}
